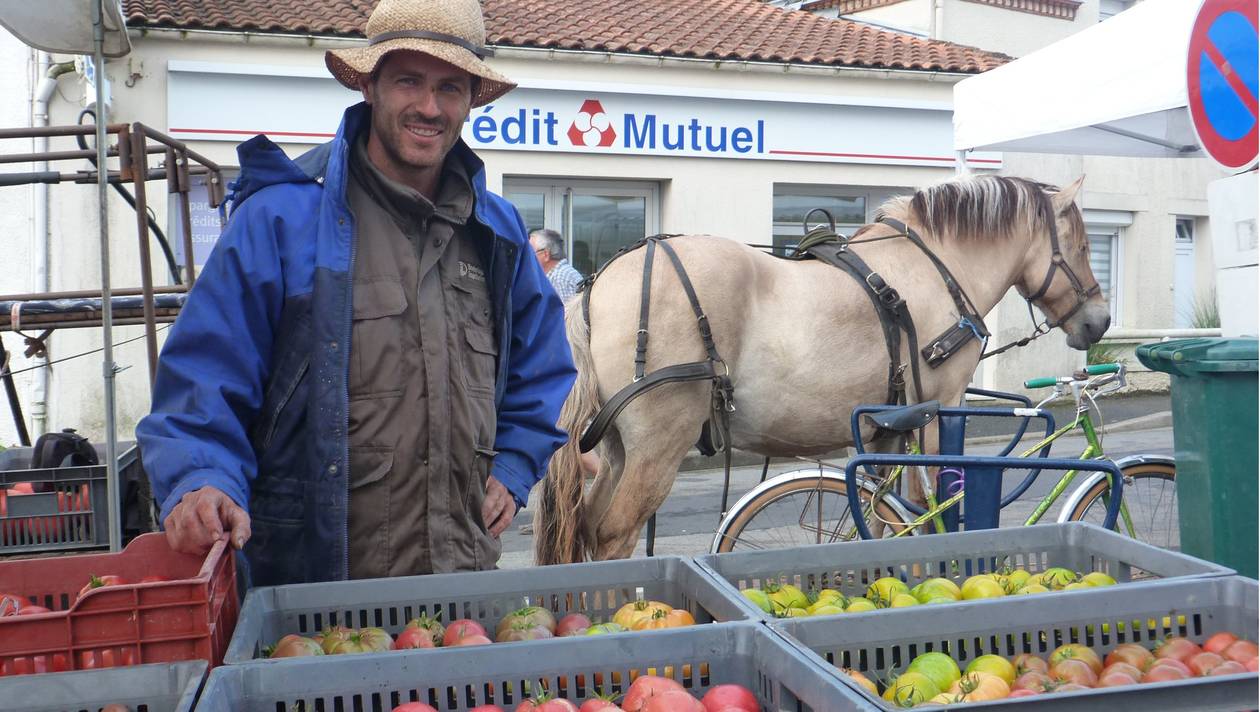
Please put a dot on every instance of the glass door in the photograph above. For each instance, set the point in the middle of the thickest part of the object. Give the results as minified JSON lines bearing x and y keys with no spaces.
{"x":595,"y":218}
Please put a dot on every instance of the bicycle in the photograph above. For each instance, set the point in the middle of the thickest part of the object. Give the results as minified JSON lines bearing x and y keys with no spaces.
{"x":812,"y":505}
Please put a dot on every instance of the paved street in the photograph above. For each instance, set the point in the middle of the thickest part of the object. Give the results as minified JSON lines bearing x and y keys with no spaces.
{"x":687,"y":521}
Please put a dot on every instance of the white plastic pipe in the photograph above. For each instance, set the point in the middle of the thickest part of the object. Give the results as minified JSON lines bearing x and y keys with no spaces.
{"x":39,"y":234}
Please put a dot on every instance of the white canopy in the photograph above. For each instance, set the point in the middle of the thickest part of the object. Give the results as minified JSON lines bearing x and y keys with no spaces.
{"x":1117,"y":88}
{"x":65,"y":26}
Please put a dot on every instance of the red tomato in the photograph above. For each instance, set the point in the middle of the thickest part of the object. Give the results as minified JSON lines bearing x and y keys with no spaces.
{"x":1076,"y":651}
{"x":674,"y":701}
{"x":1027,"y":662}
{"x":1164,"y":673}
{"x":557,"y":705}
{"x":1178,"y":648}
{"x":486,"y":708}
{"x":1022,"y":693}
{"x":1172,"y":663}
{"x":1240,"y":651}
{"x":293,"y":646}
{"x":1131,"y":653}
{"x":461,"y":628}
{"x":1116,"y":678}
{"x":1252,"y":665}
{"x":1034,"y":681}
{"x":432,"y":624}
{"x":1074,"y":670}
{"x":1218,"y":643}
{"x":413,"y":638}
{"x":32,"y":609}
{"x":471,"y":640}
{"x":730,"y":696}
{"x":414,"y":707}
{"x":1070,"y":687}
{"x":599,"y":704}
{"x":95,"y":582}
{"x":1125,"y":668}
{"x":1229,"y":667}
{"x":1202,"y":663}
{"x":572,"y":624}
{"x":644,"y":688}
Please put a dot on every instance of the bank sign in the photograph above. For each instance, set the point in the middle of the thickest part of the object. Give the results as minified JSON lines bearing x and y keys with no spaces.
{"x":234,"y":102}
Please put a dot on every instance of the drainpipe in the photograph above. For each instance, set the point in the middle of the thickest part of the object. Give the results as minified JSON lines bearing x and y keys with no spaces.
{"x":39,"y":236}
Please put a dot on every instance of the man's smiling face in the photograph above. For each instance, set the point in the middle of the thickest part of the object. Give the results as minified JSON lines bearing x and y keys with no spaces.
{"x":419,"y":104}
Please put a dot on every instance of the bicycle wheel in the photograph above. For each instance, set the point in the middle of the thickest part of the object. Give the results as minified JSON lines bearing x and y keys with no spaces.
{"x":1150,"y":495}
{"x":800,"y":511}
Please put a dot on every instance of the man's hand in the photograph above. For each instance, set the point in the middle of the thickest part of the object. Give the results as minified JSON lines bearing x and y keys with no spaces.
{"x":200,"y":519}
{"x":498,"y":508}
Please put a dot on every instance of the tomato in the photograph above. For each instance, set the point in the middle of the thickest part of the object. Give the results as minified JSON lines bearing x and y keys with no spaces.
{"x":937,"y":667}
{"x":1218,"y":643}
{"x":1252,"y":665}
{"x":11,"y":603}
{"x":1202,"y":663}
{"x":1056,"y":578}
{"x":862,"y":680}
{"x":785,"y":595}
{"x":1240,"y":651}
{"x":1116,"y":678}
{"x":461,"y":628}
{"x":95,"y":582}
{"x":1078,"y":652}
{"x":292,"y":646}
{"x":910,"y":689}
{"x":414,"y":707}
{"x":430,"y":625}
{"x":1033,"y":680}
{"x":978,"y":686}
{"x":982,"y":586}
{"x":1070,"y":687}
{"x":674,"y":701}
{"x":572,"y":624}
{"x":605,"y":628}
{"x":645,"y":687}
{"x":352,"y":643}
{"x":557,"y":705}
{"x":486,"y":708}
{"x":32,"y":609}
{"x":885,"y":589}
{"x":1023,"y":693}
{"x":1028,"y":662}
{"x":376,"y":639}
{"x":331,"y":636}
{"x":474,"y":639}
{"x":1074,"y":670}
{"x":730,"y":696}
{"x":413,"y":637}
{"x":1125,"y":668}
{"x":1178,"y":648}
{"x":676,"y":618}
{"x":758,"y":599}
{"x":632,"y":613}
{"x":994,"y":665}
{"x":1131,"y":653}
{"x":1229,"y":667}
{"x":522,"y":630}
{"x":529,"y":616}
{"x":1163,"y":673}
{"x":598,"y":703}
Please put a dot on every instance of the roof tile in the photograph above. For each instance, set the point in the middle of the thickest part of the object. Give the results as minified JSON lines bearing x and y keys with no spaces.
{"x":739,"y":30}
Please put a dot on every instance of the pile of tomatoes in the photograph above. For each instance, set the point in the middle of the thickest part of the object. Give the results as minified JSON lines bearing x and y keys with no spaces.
{"x":788,"y":601}
{"x":529,"y":623}
{"x":11,"y":604}
{"x":935,"y":678}
{"x":648,"y":693}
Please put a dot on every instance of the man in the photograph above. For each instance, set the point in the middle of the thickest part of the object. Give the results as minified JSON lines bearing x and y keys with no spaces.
{"x":549,"y":249}
{"x":366,"y":378}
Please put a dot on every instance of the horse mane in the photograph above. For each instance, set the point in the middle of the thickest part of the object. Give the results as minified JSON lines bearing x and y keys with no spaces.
{"x":975,"y":207}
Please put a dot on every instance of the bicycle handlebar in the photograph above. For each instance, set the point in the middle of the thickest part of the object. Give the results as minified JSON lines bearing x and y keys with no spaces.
{"x":1097,"y":369}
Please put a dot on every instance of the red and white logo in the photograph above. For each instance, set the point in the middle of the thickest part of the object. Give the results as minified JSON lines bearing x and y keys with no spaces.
{"x":592,"y":126}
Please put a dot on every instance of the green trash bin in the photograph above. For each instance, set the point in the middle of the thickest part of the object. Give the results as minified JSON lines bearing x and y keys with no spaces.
{"x":1214,"y":435}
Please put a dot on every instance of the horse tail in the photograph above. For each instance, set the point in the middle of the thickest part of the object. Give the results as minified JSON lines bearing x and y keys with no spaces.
{"x":558,"y":528}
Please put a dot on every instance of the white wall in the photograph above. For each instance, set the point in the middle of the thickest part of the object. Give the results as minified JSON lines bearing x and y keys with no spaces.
{"x":15,"y":208}
{"x":911,"y":15}
{"x":976,"y":25}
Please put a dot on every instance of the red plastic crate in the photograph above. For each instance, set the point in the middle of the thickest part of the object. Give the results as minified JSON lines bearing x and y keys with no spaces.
{"x":190,"y":617}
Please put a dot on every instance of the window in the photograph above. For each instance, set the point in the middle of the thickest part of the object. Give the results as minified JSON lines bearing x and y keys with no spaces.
{"x":1186,"y":304}
{"x":596,"y":218}
{"x":1103,"y":260}
{"x":848,"y":206}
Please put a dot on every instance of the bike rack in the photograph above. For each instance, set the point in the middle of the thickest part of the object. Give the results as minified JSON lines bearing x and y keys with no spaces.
{"x":985,"y":516}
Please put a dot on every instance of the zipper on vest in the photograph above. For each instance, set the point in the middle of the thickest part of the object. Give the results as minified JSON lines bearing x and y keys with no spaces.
{"x":345,"y":399}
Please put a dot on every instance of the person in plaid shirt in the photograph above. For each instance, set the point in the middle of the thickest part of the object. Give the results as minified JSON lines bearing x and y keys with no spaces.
{"x":549,"y":249}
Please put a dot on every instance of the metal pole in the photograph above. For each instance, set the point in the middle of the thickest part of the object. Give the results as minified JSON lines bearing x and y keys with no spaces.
{"x":107,"y":310}
{"x":140,"y":169}
{"x":960,"y":163}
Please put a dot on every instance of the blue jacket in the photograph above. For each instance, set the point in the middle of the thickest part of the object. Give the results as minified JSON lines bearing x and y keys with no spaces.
{"x":251,"y":394}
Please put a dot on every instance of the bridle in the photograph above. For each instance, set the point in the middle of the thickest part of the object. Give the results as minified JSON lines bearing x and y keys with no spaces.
{"x":1057,"y":264}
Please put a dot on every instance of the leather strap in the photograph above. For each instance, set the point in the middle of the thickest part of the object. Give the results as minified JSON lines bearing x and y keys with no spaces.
{"x":426,"y":35}
{"x":695,"y":371}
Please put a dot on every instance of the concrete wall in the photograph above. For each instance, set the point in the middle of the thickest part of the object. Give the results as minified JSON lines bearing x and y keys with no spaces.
{"x":15,"y":207}
{"x":975,"y":24}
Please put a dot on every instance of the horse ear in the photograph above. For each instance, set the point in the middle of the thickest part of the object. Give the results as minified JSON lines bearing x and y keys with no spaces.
{"x":1064,"y":198}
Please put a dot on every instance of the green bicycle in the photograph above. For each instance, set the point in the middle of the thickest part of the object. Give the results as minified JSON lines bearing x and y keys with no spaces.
{"x":811,"y":505}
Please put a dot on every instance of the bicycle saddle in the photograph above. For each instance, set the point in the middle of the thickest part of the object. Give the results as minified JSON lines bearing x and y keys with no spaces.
{"x":906,"y":418}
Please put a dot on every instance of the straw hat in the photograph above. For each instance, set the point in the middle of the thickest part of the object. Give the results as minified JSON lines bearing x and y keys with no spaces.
{"x":450,"y":30}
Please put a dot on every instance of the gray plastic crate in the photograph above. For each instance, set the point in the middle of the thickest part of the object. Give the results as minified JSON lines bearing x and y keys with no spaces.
{"x":462,"y":678}
{"x":1100,"y":618}
{"x":166,"y":687}
{"x":597,"y":589}
{"x":851,"y":567}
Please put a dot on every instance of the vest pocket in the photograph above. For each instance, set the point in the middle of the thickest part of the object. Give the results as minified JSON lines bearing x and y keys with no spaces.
{"x":370,"y":523}
{"x":376,"y":348}
{"x":480,"y":360}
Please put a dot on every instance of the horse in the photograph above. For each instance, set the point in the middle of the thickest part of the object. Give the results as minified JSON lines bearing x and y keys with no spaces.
{"x":801,"y":340}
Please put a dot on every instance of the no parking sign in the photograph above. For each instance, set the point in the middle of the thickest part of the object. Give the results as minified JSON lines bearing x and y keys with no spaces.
{"x":1221,"y":82}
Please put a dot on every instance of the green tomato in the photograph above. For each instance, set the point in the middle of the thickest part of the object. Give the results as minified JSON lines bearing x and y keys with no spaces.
{"x":758,"y":598}
{"x":884,"y":589}
{"x":786,"y":595}
{"x":1076,"y":586}
{"x":938,"y":667}
{"x":1032,"y":588}
{"x":860,"y":605}
{"x":824,"y":609}
{"x":902,"y":600}
{"x":829,"y":594}
{"x":939,"y":599}
{"x":911,"y":689}
{"x":982,"y":587}
{"x":1098,"y":578}
{"x":995,"y":664}
{"x":1057,"y":578}
{"x":1018,"y":577}
{"x":605,"y":628}
{"x":936,"y":588}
